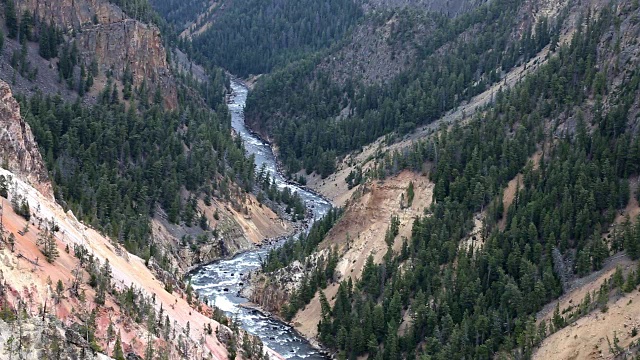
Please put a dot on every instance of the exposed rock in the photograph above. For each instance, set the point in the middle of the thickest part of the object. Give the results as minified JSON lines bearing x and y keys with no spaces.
{"x":76,"y":339}
{"x":134,"y":44}
{"x":73,"y":15}
{"x":229,"y":234}
{"x":224,"y":334}
{"x":273,"y":290}
{"x":450,"y":7}
{"x":23,"y":281}
{"x":374,"y":53}
{"x":105,"y":34}
{"x":18,"y":149}
{"x":270,"y":295}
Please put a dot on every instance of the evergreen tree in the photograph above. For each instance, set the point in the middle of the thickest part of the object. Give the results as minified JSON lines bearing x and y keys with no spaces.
{"x":118,"y":354}
{"x":11,"y":19}
{"x":47,"y":242}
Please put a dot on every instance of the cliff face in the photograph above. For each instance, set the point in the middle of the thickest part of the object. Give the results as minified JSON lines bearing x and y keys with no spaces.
{"x":274,"y":290}
{"x":238,"y":229}
{"x":74,"y":15}
{"x":18,"y":149}
{"x":105,"y":34}
{"x":24,"y":274}
{"x":130,"y":43}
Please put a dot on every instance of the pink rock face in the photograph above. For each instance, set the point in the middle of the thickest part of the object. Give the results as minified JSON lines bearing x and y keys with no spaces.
{"x":18,"y":150}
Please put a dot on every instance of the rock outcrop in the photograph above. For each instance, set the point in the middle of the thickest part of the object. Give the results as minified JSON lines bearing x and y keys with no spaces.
{"x":271,"y":292}
{"x":18,"y":150}
{"x":130,"y":43}
{"x":105,"y":34}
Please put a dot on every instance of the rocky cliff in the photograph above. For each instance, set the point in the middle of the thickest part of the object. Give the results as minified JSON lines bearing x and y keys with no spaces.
{"x":18,"y":149}
{"x":274,"y":290}
{"x":105,"y":34}
{"x":237,"y":228}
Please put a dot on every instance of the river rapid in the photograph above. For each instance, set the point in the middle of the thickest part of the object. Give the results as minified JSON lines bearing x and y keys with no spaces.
{"x":221,"y":281}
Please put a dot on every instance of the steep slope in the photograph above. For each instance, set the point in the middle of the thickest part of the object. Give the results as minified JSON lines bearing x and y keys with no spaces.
{"x":363,"y":231}
{"x":450,"y":8}
{"x":395,"y":72}
{"x":106,"y":40}
{"x":567,"y":133}
{"x":129,"y":152}
{"x":27,"y":275}
{"x":83,"y":291}
{"x":18,"y":149}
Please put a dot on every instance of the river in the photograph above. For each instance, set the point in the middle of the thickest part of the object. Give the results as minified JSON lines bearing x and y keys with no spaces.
{"x":221,"y":281}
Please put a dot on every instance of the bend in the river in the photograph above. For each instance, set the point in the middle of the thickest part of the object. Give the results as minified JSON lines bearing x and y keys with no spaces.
{"x":221,"y":281}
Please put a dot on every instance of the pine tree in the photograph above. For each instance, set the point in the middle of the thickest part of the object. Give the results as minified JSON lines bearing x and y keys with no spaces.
{"x":26,"y":27}
{"x":11,"y":19}
{"x":47,"y":242}
{"x":59,"y":290}
{"x":12,"y":241}
{"x":44,"y":46}
{"x":118,"y":354}
{"x":410,"y":194}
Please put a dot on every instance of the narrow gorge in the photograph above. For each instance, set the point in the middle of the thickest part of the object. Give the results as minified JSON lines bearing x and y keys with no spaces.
{"x":221,"y":282}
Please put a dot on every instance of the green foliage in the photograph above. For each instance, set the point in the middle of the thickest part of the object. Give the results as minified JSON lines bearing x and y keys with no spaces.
{"x":7,"y":313}
{"x":113,"y":166}
{"x":179,"y":13}
{"x":255,"y":36}
{"x":4,"y":187}
{"x":392,"y":230}
{"x":118,"y":354}
{"x":11,"y":19}
{"x":26,"y":27}
{"x":320,"y":276}
{"x":68,"y":59}
{"x":232,"y":347}
{"x":293,"y":202}
{"x":49,"y":39}
{"x":475,"y":303}
{"x":21,"y":207}
{"x":354,"y":178}
{"x":303,"y":246}
{"x":11,"y":240}
{"x":322,"y":270}
{"x":410,"y":194}
{"x":47,"y":242}
{"x":19,"y":61}
{"x":300,"y":105}
{"x":140,"y":10}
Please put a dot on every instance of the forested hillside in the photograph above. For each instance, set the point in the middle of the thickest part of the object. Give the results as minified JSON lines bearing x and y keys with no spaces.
{"x":254,"y":36}
{"x":314,"y":115}
{"x":122,"y":147}
{"x":118,"y":173}
{"x":112,"y":166}
{"x":250,"y":37}
{"x":437,"y":298}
